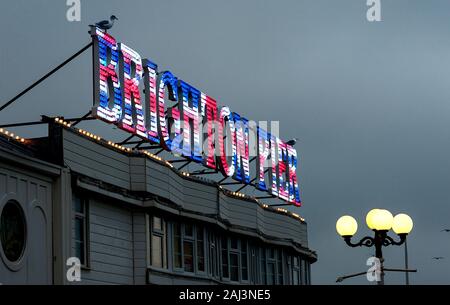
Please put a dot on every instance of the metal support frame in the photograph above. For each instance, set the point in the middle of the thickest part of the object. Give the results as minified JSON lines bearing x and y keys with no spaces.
{"x":407,"y":271}
{"x":243,"y":187}
{"x":167,"y":110}
{"x":151,"y":147}
{"x":265,"y":197}
{"x":22,"y":124}
{"x":184,"y":165}
{"x":279,"y":205}
{"x":178,"y":161}
{"x":159,"y":151}
{"x":203,"y":172}
{"x":83,"y":118}
{"x":379,"y":240}
{"x":230,"y":183}
{"x":222,"y":180}
{"x":45,"y":120}
{"x":127,"y":140}
{"x":23,"y":92}
{"x":254,"y":179}
{"x":139,"y":144}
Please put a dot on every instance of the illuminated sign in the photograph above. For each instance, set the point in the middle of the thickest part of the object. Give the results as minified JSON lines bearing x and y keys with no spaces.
{"x":195,"y":127}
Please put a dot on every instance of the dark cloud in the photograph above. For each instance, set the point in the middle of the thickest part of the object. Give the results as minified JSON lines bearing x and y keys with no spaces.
{"x":370,"y":102}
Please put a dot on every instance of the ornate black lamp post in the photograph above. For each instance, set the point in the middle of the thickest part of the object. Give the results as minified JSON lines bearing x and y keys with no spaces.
{"x":380,"y":222}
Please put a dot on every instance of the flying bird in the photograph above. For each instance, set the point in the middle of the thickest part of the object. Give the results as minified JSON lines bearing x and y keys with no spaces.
{"x":438,"y":257}
{"x":445,"y":230}
{"x":106,"y":24}
{"x":292,"y":142}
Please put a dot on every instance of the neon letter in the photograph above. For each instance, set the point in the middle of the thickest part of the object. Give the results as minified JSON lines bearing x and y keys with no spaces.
{"x":273,"y":170}
{"x":224,"y":117}
{"x":263,"y":154}
{"x":107,"y":93}
{"x":209,"y":113}
{"x":241,"y":153}
{"x":133,"y":117}
{"x":165,"y":79}
{"x":283,"y":179}
{"x":151,"y":110}
{"x":189,"y":95}
{"x":294,"y":191}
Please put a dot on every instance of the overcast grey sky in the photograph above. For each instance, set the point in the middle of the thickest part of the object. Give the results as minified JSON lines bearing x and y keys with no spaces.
{"x":370,"y":102}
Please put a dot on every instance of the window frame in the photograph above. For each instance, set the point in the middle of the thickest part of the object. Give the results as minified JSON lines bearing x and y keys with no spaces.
{"x":188,"y":239}
{"x":161,"y":233}
{"x":296,"y":269}
{"x":214,"y":255}
{"x":234,"y":251}
{"x":241,"y":269}
{"x":84,"y":216}
{"x":279,"y":258}
{"x":263,"y":264}
{"x":254,"y":263}
{"x":217,"y":247}
{"x":179,"y":269}
{"x":227,"y":251}
{"x":191,"y":239}
{"x":198,"y":228}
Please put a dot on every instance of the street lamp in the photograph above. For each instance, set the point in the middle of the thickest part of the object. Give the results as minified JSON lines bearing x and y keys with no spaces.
{"x":380,"y":221}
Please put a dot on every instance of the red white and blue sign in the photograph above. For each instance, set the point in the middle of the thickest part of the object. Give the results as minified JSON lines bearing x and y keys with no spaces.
{"x":194,"y":127}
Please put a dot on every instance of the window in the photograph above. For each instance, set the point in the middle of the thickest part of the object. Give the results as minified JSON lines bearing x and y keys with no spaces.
{"x":177,"y":257}
{"x":13,"y":231}
{"x":305,"y":277}
{"x":254,"y":260}
{"x":271,"y":267}
{"x":244,"y":261}
{"x":234,"y":266}
{"x":296,"y":270}
{"x":279,"y":259}
{"x":218,"y":255}
{"x":234,"y":254}
{"x":188,"y":248}
{"x":200,"y":250}
{"x":80,"y":207}
{"x":234,"y":259}
{"x":271,"y":273}
{"x":308,"y":269}
{"x":213,"y":255}
{"x":224,"y":245}
{"x":263,"y":266}
{"x":158,"y":242}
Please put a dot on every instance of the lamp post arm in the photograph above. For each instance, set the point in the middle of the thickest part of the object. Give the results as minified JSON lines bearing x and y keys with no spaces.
{"x":390,"y":241}
{"x":365,"y":241}
{"x":341,"y":278}
{"x":400,"y":270}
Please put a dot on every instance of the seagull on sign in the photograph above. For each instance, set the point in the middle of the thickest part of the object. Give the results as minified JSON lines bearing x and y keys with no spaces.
{"x":106,"y":24}
{"x":292,"y":142}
